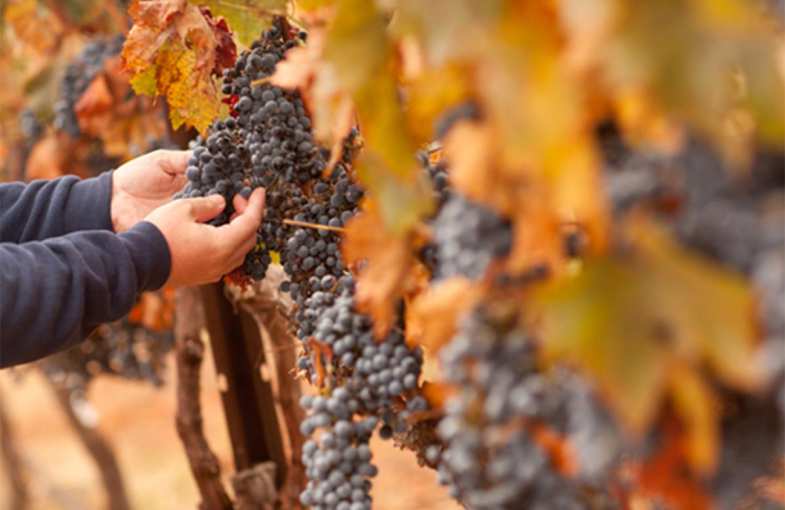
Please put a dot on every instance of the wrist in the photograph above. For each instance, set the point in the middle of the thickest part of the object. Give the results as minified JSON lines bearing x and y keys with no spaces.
{"x":89,"y":204}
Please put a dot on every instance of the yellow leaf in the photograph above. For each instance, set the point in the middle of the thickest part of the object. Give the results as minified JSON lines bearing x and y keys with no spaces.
{"x":601,"y":321}
{"x":358,"y":64}
{"x":693,"y":293}
{"x":694,"y":403}
{"x":629,"y":320}
{"x":432,"y":93}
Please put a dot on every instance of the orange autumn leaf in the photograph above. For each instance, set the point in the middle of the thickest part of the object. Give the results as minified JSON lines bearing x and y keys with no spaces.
{"x":96,"y":101}
{"x":384,"y":260}
{"x":536,"y":239}
{"x":433,"y":316}
{"x":437,"y":393}
{"x":109,"y":110}
{"x":470,"y":149}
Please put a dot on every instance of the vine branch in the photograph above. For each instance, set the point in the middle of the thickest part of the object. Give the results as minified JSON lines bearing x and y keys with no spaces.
{"x":189,"y":353}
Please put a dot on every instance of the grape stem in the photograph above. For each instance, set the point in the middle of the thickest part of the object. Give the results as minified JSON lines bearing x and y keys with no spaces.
{"x":312,"y":225}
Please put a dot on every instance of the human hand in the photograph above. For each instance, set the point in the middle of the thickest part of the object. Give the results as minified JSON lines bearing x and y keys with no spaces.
{"x":201,"y":253}
{"x":145,"y":183}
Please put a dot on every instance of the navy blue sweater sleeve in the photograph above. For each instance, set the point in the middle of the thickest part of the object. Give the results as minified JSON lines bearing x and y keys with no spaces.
{"x":43,"y":209}
{"x":54,"y":292}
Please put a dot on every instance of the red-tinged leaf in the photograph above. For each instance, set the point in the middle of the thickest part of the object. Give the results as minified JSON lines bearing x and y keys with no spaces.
{"x":226,"y":51}
{"x":154,"y":310}
{"x":176,"y":49}
{"x":666,"y":475}
{"x":559,"y":450}
{"x":320,"y":354}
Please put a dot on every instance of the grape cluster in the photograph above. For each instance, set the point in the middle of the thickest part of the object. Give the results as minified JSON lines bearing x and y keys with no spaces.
{"x":366,"y":378}
{"x":491,"y":460}
{"x":268,"y":142}
{"x":376,"y":372}
{"x":77,"y":78}
{"x":467,"y":237}
{"x":338,"y":462}
{"x":123,"y":349}
{"x":31,"y":127}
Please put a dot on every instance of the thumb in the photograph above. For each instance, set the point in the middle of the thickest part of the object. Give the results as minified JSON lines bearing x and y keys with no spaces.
{"x":173,"y":162}
{"x":245,"y":225}
{"x":205,"y":208}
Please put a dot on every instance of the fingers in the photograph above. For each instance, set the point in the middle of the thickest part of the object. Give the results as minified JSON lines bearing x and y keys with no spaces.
{"x":205,"y":208}
{"x":244,"y":226}
{"x":239,"y":203}
{"x":237,"y":256}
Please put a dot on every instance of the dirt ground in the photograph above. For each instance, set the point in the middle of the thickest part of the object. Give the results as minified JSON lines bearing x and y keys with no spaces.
{"x":138,"y":420}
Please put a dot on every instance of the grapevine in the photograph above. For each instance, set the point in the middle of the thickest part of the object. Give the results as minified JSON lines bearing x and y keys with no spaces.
{"x":538,"y":245}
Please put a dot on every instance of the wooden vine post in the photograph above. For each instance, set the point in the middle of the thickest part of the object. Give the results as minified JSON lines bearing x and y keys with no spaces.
{"x":248,"y":399}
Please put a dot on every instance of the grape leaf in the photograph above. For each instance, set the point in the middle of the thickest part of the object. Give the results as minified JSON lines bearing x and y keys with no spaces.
{"x":109,"y":111}
{"x":701,"y":63}
{"x":385,"y":261}
{"x":176,"y":49}
{"x":349,"y":69}
{"x":434,"y":315}
{"x":538,"y":203}
{"x":246,"y":18}
{"x":645,"y":323}
{"x":665,"y":476}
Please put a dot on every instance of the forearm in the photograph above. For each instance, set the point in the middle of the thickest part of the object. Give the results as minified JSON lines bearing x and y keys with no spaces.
{"x":45,"y":209}
{"x":53,"y":293}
